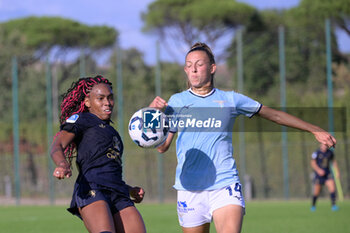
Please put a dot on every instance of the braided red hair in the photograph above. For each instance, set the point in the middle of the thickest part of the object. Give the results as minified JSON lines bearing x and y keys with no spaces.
{"x":73,"y":103}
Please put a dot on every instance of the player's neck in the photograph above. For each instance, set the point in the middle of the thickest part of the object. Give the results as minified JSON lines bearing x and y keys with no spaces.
{"x":202,"y":90}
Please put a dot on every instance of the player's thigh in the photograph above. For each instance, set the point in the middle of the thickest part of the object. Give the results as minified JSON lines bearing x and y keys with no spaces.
{"x":228,"y":219}
{"x":330,"y":185}
{"x":97,"y":217}
{"x":198,"y":229}
{"x":129,"y":220}
{"x":317,"y":189}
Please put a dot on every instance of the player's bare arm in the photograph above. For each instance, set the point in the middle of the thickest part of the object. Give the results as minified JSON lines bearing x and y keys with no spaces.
{"x":60,"y":143}
{"x":165,"y":146}
{"x":286,"y":119}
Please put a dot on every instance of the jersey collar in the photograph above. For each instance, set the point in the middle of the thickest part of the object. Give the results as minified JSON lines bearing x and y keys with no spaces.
{"x":202,"y":96}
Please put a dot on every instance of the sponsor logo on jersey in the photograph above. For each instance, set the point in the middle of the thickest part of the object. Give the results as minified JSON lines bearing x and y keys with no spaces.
{"x":72,"y":119}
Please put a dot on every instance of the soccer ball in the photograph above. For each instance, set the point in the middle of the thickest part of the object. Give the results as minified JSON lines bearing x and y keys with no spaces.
{"x":148,"y":127}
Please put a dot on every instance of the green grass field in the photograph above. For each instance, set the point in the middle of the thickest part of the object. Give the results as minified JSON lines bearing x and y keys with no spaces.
{"x":261,"y":217}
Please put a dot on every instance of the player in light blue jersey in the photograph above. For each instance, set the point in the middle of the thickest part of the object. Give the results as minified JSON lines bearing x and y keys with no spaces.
{"x":219,"y":109}
{"x":207,"y":181}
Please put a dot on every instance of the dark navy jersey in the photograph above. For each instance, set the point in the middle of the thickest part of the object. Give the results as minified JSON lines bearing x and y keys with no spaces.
{"x":99,"y":150}
{"x":323,"y":159}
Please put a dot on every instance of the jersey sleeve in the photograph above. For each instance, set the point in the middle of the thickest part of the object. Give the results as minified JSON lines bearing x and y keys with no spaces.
{"x":314,"y":155}
{"x":245,"y":105}
{"x":74,"y":124}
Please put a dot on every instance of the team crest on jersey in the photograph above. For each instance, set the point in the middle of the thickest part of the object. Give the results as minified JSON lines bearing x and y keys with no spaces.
{"x":220,"y":102}
{"x":117,"y":143}
{"x":102,"y":126}
{"x":92,"y":193}
{"x":72,"y":119}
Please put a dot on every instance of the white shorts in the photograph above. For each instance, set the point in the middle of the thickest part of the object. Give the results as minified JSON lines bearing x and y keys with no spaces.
{"x":195,"y":208}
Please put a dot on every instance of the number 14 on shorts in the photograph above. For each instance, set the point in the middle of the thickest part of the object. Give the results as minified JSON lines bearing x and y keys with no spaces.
{"x":236,"y":192}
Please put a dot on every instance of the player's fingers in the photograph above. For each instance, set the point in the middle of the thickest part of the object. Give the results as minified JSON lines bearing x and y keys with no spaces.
{"x":60,"y":173}
{"x":158,"y":102}
{"x":326,"y":139}
{"x":141,"y":192}
{"x":56,"y":173}
{"x":330,"y":141}
{"x":138,"y":199}
{"x":334,"y":141}
{"x":68,"y":174}
{"x":161,"y":101}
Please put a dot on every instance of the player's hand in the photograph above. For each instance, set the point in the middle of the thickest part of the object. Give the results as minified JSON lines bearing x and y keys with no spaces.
{"x":321,"y":172}
{"x":136,"y":194}
{"x":158,"y":103}
{"x":62,"y":172}
{"x":325,"y":138}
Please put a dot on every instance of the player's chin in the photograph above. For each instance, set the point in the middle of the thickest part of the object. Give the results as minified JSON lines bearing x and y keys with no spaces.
{"x":106,"y":115}
{"x":196,"y":85}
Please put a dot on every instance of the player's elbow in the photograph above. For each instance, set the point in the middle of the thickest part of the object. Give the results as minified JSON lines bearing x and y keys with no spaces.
{"x":162,"y":148}
{"x":271,"y":114}
{"x":165,"y":146}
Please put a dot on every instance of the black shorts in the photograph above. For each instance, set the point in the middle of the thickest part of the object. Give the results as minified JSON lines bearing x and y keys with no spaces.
{"x":322,"y":179}
{"x":85,"y":194}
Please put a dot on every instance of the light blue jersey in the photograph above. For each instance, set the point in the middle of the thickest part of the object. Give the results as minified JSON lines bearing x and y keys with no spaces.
{"x":204,"y":143}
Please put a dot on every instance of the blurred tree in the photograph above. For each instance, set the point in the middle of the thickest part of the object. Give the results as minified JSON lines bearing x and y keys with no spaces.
{"x":313,"y":13}
{"x":306,"y":36}
{"x":139,"y":80}
{"x":337,"y":10}
{"x":304,"y":51}
{"x":32,"y":40}
{"x":8,"y":47}
{"x":260,"y":52}
{"x":185,"y":22}
{"x":42,"y":34}
{"x":173,"y":79}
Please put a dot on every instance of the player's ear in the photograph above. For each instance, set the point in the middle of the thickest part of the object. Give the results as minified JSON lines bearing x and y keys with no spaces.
{"x":87,"y":102}
{"x":213,"y":68}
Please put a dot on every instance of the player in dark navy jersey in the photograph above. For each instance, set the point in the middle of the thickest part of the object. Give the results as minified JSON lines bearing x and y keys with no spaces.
{"x":101,"y":198}
{"x":321,"y":162}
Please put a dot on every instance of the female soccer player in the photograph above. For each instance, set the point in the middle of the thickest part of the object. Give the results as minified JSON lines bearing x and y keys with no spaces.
{"x":207,"y":182}
{"x":100,"y":198}
{"x":321,"y":164}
